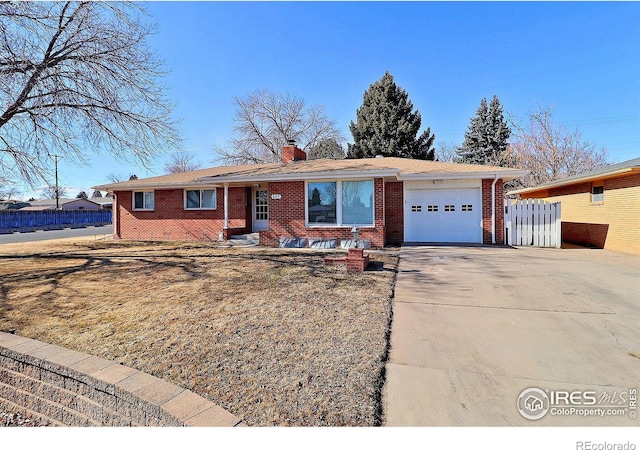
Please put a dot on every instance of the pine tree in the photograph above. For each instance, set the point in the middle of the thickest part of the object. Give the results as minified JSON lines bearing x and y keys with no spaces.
{"x":499,"y":133}
{"x":386,"y":124}
{"x":315,"y":198}
{"x":326,"y":148}
{"x":485,"y":141}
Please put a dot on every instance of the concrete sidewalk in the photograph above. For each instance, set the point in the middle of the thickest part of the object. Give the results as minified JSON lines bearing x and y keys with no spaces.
{"x":475,"y":326}
{"x":67,"y":233}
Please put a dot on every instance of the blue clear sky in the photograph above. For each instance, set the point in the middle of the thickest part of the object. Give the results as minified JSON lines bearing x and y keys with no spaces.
{"x":581,"y":58}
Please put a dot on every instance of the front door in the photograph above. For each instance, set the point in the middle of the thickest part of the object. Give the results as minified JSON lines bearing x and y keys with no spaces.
{"x":260,"y":210}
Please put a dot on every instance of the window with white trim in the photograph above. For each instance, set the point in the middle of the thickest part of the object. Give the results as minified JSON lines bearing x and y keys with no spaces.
{"x":340,"y":203}
{"x":597,"y":194}
{"x":143,"y":200}
{"x":200,"y":199}
{"x":357,"y":202}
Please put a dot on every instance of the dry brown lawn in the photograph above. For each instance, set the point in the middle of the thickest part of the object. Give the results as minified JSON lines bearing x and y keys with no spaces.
{"x":274,"y":336}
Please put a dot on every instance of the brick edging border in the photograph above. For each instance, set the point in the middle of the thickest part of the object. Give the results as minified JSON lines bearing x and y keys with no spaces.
{"x":117,"y":395}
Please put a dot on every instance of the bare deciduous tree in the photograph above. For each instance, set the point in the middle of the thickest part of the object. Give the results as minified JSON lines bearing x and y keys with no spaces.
{"x":446,"y":152}
{"x":181,"y":162}
{"x":549,"y":151}
{"x":78,"y":75}
{"x":52,"y":191}
{"x":265,"y":121}
{"x":115,"y":178}
{"x":118,"y":178}
{"x":8,"y":192}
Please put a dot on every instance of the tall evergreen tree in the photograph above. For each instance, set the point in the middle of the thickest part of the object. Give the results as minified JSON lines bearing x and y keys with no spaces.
{"x":485,"y":141}
{"x":326,"y":148}
{"x":386,"y":124}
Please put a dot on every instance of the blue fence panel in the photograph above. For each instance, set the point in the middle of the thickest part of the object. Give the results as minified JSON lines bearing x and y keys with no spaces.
{"x":17,"y":220}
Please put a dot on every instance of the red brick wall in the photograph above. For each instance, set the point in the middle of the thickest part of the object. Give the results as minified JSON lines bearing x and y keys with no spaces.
{"x":394,"y":212}
{"x":587,"y":234}
{"x":287,"y":217}
{"x":169,"y":221}
{"x":500,"y":212}
{"x":627,"y":181}
{"x":487,"y":212}
{"x":569,"y":190}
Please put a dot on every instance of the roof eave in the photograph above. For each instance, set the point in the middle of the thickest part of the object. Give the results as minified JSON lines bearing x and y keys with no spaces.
{"x":503,"y":174}
{"x":572,"y":181}
{"x":159,"y":186}
{"x":304,"y":176}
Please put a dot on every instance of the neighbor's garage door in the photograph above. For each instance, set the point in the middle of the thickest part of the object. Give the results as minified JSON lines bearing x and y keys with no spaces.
{"x":443,"y":215}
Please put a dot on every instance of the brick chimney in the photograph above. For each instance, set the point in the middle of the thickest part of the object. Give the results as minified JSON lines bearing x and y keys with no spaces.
{"x":292,"y":153}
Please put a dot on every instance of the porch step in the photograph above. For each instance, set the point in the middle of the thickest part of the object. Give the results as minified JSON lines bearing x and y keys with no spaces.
{"x":249,"y":239}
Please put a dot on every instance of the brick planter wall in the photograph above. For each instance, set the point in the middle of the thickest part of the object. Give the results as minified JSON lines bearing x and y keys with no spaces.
{"x":65,"y":387}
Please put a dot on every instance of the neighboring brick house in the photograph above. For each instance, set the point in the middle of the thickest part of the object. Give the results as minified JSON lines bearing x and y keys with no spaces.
{"x":391,"y":200}
{"x":600,"y":208}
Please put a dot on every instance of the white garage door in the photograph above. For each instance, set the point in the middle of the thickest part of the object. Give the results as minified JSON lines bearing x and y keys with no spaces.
{"x":443,"y":215}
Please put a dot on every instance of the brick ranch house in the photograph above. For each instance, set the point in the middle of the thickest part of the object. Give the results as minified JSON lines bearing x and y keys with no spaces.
{"x":600,"y":208}
{"x":391,"y":200}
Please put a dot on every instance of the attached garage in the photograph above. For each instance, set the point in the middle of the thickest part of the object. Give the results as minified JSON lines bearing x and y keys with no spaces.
{"x":443,"y":211}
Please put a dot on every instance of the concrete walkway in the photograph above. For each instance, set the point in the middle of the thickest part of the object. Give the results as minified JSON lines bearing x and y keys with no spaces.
{"x":475,"y":326}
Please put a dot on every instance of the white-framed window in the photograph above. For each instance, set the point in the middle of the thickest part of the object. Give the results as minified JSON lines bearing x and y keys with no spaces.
{"x":597,"y":194}
{"x":143,"y":200}
{"x":339,"y":203}
{"x":200,"y":199}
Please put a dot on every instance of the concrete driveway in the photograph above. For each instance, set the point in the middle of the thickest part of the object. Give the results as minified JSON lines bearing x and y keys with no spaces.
{"x":474,"y":327}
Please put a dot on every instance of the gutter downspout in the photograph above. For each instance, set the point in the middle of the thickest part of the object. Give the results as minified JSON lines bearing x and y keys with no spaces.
{"x":115,"y":221}
{"x":493,"y":209}
{"x":226,"y":206}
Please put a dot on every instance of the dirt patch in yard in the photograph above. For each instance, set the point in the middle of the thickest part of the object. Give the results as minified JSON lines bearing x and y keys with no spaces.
{"x":274,"y":336}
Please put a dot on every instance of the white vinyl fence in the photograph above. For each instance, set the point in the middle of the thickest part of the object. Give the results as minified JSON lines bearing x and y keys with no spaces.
{"x":533,"y":222}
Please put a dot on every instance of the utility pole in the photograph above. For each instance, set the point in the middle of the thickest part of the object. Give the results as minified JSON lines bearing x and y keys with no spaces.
{"x":55,"y":158}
